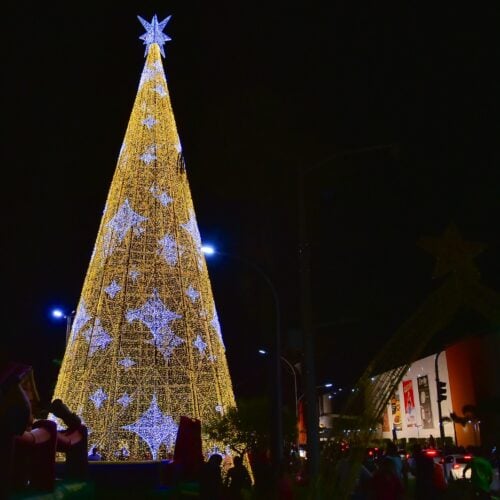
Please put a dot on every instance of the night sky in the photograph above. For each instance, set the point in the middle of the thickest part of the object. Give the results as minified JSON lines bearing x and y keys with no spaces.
{"x":257,"y":93}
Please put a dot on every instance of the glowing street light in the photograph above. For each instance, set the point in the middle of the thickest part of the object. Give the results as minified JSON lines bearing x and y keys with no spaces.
{"x":59,"y":314}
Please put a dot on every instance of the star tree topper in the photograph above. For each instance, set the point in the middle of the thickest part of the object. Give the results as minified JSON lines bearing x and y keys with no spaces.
{"x":154,"y":33}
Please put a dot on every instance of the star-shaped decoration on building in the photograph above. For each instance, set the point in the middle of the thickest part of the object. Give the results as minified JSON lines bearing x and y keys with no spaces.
{"x":157,"y":318}
{"x":169,"y":249}
{"x":192,"y":228}
{"x":452,"y":253}
{"x":98,"y":397}
{"x":192,"y":294}
{"x":112,"y":289}
{"x":155,"y":428}
{"x":124,"y":400}
{"x":161,"y":196}
{"x":149,"y":121}
{"x":126,"y":363}
{"x":199,"y":344}
{"x":216,"y":326}
{"x":154,"y":33}
{"x":134,"y":275}
{"x":161,"y":90}
{"x":81,"y":318}
{"x":149,"y":155}
{"x":119,"y":225}
{"x":97,"y":338}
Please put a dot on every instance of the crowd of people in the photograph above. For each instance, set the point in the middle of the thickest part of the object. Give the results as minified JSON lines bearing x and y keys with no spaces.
{"x":391,"y":476}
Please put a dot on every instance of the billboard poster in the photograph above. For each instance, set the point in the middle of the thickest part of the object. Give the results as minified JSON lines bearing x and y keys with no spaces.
{"x":396,"y":412}
{"x":424,"y":398}
{"x":409,"y":400}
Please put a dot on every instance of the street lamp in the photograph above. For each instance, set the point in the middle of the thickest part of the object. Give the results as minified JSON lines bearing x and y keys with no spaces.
{"x":60,"y":314}
{"x":294,"y":373}
{"x":275,"y":353}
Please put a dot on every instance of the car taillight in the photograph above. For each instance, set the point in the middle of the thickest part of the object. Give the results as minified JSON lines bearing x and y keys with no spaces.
{"x":407,"y":456}
{"x":456,"y":466}
{"x":431,"y":453}
{"x":467,"y":457}
{"x":441,"y":461}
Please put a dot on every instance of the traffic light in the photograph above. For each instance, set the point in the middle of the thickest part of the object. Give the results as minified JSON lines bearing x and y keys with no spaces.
{"x":441,"y":388}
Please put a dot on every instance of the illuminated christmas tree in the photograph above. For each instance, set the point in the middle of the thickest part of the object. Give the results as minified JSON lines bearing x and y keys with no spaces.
{"x":145,"y":346}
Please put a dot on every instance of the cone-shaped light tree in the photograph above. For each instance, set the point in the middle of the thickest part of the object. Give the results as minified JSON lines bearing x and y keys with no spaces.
{"x":145,"y":346}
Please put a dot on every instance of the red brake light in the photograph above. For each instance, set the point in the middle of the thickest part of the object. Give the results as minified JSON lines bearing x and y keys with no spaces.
{"x":370,"y":453}
{"x":376,"y":449}
{"x":467,"y":457}
{"x":456,"y":466}
{"x":407,"y":455}
{"x":431,"y":453}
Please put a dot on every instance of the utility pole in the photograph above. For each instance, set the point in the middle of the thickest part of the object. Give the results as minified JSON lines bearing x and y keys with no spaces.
{"x":312,"y":417}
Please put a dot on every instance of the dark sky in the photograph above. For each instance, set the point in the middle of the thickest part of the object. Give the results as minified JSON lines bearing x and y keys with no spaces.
{"x":257,"y":93}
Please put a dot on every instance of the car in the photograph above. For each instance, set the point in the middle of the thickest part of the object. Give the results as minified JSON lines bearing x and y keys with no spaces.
{"x":454,"y":466}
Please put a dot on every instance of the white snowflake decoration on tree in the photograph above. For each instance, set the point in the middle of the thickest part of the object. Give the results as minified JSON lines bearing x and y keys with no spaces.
{"x":81,"y":318}
{"x":199,"y":344}
{"x":192,"y":294}
{"x":192,"y":228}
{"x":98,"y":397}
{"x":160,"y":90}
{"x":134,"y":274}
{"x":127,"y":363}
{"x":112,"y":289}
{"x":149,"y":155}
{"x":169,"y":250}
{"x":216,"y":326}
{"x":125,"y":400}
{"x":161,"y":196}
{"x":119,"y":225}
{"x":157,"y":318}
{"x":97,"y":337}
{"x":155,"y":428}
{"x":149,"y":121}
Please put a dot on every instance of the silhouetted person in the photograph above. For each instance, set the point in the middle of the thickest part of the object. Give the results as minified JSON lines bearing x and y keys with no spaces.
{"x":95,"y":456}
{"x":386,"y":483}
{"x":423,"y":470}
{"x":237,"y":479}
{"x":211,"y":487}
{"x":72,"y":441}
{"x":432,"y":441}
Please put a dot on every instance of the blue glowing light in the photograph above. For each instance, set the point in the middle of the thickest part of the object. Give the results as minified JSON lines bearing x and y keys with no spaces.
{"x":57,"y":313}
{"x":262,"y":351}
{"x":208,"y":250}
{"x":328,"y":385}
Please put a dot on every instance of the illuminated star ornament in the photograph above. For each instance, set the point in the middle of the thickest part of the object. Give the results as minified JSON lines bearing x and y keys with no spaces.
{"x":154,"y":33}
{"x":97,"y":337}
{"x":155,"y":428}
{"x":98,"y":397}
{"x":157,"y":318}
